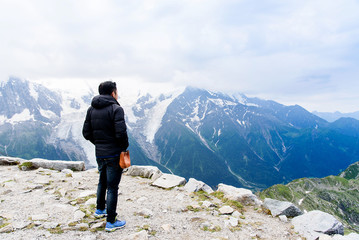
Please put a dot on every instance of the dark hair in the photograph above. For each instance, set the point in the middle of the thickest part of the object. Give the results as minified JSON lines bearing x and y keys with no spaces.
{"x":106,"y":88}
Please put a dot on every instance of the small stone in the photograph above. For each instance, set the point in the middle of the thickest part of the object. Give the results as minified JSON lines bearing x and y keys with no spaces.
{"x":40,"y":217}
{"x":98,"y":225}
{"x":1,"y":221}
{"x":142,"y":199}
{"x":145,"y":213}
{"x":166,"y":227}
{"x":207,"y":204}
{"x":38,"y":223}
{"x":86,"y":193}
{"x":226,"y":210}
{"x":82,"y":226}
{"x":215,"y":213}
{"x":236,"y":214}
{"x":47,"y":235}
{"x":205,"y":225}
{"x":233,"y":221}
{"x":79,"y":215}
{"x":196,"y":206}
{"x":50,"y":225}
{"x":283,"y":218}
{"x":91,"y":201}
{"x":67,"y":171}
{"x":63,"y":192}
{"x":7,"y":229}
{"x":20,"y":224}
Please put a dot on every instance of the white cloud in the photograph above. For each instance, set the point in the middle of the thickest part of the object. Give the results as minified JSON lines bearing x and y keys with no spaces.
{"x":290,"y":51}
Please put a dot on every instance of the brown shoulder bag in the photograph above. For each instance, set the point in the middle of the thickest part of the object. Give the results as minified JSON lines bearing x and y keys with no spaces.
{"x":125,"y":160}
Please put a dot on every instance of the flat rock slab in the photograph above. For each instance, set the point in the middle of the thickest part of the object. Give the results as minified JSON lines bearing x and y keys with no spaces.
{"x":169,"y":181}
{"x":312,"y":224}
{"x":226,"y":210}
{"x":242,"y":195}
{"x":144,"y":171}
{"x":57,"y":164}
{"x":281,"y":208}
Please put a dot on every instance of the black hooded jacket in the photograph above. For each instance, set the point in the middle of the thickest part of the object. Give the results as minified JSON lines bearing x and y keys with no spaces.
{"x":105,"y":126}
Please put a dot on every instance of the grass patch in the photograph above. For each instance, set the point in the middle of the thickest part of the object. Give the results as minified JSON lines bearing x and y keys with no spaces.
{"x":234,"y":204}
{"x":7,"y":181}
{"x":56,"y":230}
{"x":191,"y":208}
{"x":26,"y":166}
{"x":97,"y":229}
{"x":212,"y":229}
{"x":148,"y":229}
{"x":202,"y":195}
{"x":219,"y":195}
{"x":144,"y":227}
{"x":30,"y":226}
{"x":84,"y":199}
{"x":72,"y":224}
{"x":4,"y":225}
{"x":235,"y":229}
{"x":83,"y":229}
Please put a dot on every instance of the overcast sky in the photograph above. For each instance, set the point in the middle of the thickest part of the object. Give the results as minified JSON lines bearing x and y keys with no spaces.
{"x":302,"y":52}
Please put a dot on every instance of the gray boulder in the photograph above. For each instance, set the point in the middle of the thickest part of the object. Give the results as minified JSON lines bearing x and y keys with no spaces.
{"x":194,"y":185}
{"x":55,"y":164}
{"x":169,"y":181}
{"x":242,"y":195}
{"x":312,"y":224}
{"x":144,"y":171}
{"x":281,"y":208}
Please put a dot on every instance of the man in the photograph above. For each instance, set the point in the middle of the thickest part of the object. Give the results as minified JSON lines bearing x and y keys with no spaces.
{"x":105,"y":127}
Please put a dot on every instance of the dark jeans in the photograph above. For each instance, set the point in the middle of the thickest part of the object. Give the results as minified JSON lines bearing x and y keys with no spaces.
{"x":110,"y":177}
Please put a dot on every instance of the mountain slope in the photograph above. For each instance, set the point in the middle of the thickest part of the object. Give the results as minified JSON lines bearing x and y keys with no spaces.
{"x":337,"y":195}
{"x":261,"y":142}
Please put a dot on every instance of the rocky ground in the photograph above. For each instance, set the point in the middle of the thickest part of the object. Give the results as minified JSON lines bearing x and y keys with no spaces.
{"x":49,"y":204}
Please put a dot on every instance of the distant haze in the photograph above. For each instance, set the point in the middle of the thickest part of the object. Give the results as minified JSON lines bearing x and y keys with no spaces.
{"x":331,"y":117}
{"x":294,"y":52}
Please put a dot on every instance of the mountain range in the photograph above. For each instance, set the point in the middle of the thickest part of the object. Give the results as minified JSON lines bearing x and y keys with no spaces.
{"x":333,"y":116}
{"x":211,"y":136}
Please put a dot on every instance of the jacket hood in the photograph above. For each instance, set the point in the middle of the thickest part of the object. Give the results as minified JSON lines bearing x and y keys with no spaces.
{"x":102,"y":101}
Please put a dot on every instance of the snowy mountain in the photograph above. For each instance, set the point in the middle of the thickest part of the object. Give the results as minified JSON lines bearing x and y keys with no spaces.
{"x":213,"y":137}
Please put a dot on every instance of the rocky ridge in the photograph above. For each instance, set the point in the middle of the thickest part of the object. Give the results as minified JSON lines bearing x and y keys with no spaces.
{"x":59,"y":204}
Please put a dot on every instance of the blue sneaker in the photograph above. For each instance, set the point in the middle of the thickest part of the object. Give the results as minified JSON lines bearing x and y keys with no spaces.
{"x":110,"y":227}
{"x":100,"y":213}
